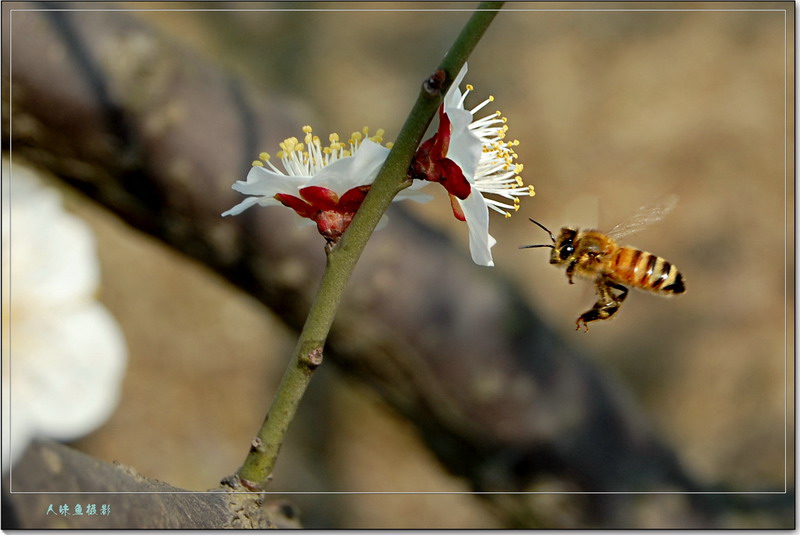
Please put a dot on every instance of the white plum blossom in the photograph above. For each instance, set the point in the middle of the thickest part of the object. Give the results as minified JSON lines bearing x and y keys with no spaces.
{"x":324,"y":184}
{"x":64,"y":354}
{"x":471,"y":159}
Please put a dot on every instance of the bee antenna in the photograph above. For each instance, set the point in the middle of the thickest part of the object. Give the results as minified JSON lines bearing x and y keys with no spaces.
{"x":534,"y":246}
{"x":543,"y":228}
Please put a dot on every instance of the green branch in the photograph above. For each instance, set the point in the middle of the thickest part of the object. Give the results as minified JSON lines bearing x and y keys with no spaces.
{"x":256,"y":471}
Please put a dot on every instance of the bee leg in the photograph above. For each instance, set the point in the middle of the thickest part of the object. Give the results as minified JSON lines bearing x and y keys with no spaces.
{"x":571,"y":271}
{"x":606,"y":306}
{"x":623,"y":292}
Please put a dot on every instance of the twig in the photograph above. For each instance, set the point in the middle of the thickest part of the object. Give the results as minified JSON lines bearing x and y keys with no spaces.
{"x":256,"y":471}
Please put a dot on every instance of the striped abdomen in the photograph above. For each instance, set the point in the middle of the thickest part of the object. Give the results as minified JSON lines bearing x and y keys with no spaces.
{"x":646,"y":271}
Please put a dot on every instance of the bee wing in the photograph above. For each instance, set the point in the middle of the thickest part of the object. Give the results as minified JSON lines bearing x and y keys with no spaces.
{"x":646,"y":215}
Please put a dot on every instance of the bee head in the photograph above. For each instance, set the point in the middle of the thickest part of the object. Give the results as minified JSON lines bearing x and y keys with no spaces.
{"x":563,"y":246}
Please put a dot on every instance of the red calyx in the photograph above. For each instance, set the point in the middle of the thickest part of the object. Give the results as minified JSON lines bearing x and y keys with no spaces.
{"x":331,"y":213}
{"x":431,"y":162}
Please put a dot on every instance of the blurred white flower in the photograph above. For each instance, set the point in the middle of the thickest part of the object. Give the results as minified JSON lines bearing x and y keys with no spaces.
{"x":64,"y":354}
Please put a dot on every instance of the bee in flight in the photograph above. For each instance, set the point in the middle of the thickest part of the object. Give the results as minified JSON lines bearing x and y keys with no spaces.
{"x":596,"y":255}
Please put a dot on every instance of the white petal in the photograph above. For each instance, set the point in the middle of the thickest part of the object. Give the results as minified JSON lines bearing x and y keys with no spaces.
{"x":477,"y":215}
{"x":465,"y":150}
{"x":465,"y":146}
{"x":242,"y":206}
{"x":262,"y":181}
{"x":52,"y":252}
{"x":353,"y":171}
{"x":413,"y":192}
{"x":453,"y":96}
{"x":66,"y":371}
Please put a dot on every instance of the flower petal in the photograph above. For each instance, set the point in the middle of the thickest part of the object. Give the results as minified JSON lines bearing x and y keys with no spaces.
{"x":413,"y":192}
{"x":69,"y":381}
{"x":453,"y":96}
{"x":262,"y":181}
{"x":244,"y":205}
{"x":480,"y":242}
{"x":357,"y":170}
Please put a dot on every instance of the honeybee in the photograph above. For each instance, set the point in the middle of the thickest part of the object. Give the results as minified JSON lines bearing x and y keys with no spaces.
{"x":596,"y":255}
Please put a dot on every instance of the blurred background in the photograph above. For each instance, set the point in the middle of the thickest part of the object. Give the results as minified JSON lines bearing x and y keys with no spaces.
{"x":613,"y":107}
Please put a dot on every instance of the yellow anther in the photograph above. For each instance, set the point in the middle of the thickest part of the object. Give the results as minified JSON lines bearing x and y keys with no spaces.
{"x":530,"y":191}
{"x":281,"y":154}
{"x":299,"y":147}
{"x":506,"y":215}
{"x":389,"y":145}
{"x":264,"y":156}
{"x":470,"y":87}
{"x":333,"y":138}
{"x":518,"y":180}
{"x":257,"y":163}
{"x":307,"y":129}
{"x":491,"y":98}
{"x":357,"y":136}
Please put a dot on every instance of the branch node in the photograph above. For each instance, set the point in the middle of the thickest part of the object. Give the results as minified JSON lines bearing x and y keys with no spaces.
{"x":313,"y":358}
{"x":253,"y":486}
{"x":433,"y":85}
{"x":257,"y":445}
